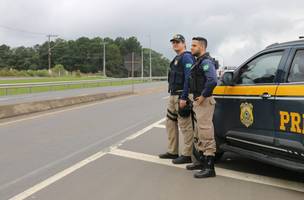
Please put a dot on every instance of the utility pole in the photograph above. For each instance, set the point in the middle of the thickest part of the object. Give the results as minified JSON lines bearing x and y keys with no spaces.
{"x":150,"y":57}
{"x":104,"y":58}
{"x":142,"y":63}
{"x":132,"y":72}
{"x":50,"y":50}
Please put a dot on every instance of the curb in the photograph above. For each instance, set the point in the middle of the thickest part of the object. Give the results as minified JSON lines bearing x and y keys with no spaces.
{"x":13,"y":110}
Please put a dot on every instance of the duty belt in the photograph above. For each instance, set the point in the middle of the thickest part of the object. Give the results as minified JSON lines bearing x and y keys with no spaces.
{"x":177,"y":92}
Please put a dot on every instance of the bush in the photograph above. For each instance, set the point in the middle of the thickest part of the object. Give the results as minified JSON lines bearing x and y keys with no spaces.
{"x":24,"y":73}
{"x":42,"y":73}
{"x":21,"y":73}
{"x":31,"y":72}
{"x":59,"y":70}
{"x":78,"y":74}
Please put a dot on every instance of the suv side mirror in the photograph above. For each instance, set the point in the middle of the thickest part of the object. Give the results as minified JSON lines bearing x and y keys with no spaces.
{"x":227,"y":78}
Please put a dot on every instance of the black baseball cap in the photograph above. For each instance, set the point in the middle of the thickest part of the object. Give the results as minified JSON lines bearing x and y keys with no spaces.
{"x":178,"y":37}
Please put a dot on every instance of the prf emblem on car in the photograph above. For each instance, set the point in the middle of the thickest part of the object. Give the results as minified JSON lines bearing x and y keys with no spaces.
{"x":246,"y":115}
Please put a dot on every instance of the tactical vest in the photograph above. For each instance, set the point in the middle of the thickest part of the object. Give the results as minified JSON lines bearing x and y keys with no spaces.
{"x":176,"y":76}
{"x":197,"y":78}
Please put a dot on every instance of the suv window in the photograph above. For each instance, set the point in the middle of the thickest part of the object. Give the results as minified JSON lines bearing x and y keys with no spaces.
{"x":261,"y":69}
{"x":296,"y":73}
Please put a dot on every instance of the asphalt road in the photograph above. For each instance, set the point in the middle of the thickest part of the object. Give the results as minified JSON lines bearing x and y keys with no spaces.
{"x":22,"y":98}
{"x":107,"y":150}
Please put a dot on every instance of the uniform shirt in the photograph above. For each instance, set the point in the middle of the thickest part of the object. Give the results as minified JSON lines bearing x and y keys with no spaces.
{"x":208,"y":69}
{"x":187,"y":61}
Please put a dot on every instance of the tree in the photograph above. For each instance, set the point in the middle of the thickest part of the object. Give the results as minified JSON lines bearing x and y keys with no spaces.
{"x":83,"y":54}
{"x":5,"y":53}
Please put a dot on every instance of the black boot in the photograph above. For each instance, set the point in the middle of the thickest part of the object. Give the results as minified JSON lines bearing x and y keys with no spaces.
{"x":168,"y":156}
{"x":182,"y":160}
{"x":199,"y":164}
{"x":194,"y":166}
{"x":208,"y":170}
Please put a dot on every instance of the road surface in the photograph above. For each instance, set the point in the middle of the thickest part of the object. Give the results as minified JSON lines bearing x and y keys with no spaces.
{"x":107,"y":150}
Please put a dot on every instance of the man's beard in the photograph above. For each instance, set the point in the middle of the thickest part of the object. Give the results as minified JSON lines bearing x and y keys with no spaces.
{"x":196,"y":54}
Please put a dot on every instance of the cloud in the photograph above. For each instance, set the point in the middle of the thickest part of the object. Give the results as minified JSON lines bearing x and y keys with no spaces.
{"x":235,"y":29}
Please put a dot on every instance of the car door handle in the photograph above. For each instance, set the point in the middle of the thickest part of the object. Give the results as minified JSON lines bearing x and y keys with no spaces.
{"x":266,"y":95}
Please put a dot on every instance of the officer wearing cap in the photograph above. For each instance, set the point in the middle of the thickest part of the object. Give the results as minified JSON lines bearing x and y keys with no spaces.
{"x":177,"y":110}
{"x":203,"y":80}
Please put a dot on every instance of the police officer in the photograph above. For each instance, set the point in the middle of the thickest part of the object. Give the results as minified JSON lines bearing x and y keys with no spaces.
{"x":178,"y":78}
{"x":203,"y":80}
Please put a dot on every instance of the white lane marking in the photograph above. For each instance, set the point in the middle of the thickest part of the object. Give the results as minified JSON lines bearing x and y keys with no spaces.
{"x":166,"y":97}
{"x":62,"y":174}
{"x":4,"y":99}
{"x":280,"y":183}
{"x":57,"y":176}
{"x":54,"y":163}
{"x":61,"y":111}
{"x":139,"y":133}
{"x":160,"y":126}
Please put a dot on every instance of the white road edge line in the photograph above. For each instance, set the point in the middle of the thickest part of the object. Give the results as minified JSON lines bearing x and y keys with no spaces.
{"x":280,"y":183}
{"x":62,"y":174}
{"x":160,"y":126}
{"x":51,"y":164}
{"x":57,"y":177}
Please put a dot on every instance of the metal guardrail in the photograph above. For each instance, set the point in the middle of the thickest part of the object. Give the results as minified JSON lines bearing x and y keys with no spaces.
{"x":29,"y":86}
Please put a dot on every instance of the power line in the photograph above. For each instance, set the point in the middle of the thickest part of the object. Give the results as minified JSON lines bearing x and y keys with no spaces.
{"x":21,"y":30}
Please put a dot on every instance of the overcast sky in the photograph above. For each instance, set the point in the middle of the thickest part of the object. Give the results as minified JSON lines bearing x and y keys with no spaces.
{"x":235,"y":28}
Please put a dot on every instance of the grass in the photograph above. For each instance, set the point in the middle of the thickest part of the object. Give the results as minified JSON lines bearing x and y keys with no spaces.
{"x":36,"y":89}
{"x":48,"y":79}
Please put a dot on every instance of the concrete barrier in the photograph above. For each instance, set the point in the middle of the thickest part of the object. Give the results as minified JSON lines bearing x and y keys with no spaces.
{"x":13,"y":110}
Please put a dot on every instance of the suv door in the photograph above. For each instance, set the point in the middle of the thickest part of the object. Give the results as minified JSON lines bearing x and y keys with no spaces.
{"x":289,"y":109}
{"x":249,"y":104}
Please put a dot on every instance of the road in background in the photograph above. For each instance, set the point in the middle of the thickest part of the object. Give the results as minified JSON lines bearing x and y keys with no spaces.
{"x":5,"y":100}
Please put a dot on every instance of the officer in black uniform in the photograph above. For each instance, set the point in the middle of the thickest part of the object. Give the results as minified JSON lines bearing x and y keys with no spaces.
{"x":178,"y":115}
{"x":203,"y":79}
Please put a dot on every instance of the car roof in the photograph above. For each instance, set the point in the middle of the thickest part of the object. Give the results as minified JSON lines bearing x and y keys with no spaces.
{"x":286,"y":44}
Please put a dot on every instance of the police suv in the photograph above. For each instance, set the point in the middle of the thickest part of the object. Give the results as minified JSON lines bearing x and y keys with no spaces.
{"x":260,"y":107}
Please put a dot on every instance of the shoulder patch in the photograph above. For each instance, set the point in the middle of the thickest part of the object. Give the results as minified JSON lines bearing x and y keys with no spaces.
{"x":188,"y":65}
{"x":205,"y":67}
